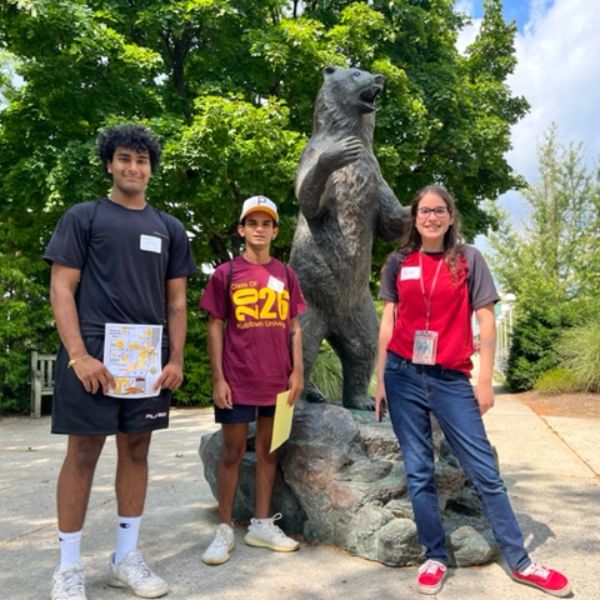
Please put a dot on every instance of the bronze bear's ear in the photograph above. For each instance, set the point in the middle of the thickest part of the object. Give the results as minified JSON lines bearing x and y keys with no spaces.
{"x":328,"y":71}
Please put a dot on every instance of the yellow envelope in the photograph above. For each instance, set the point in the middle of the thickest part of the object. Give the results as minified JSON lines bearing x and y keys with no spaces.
{"x":282,"y":423}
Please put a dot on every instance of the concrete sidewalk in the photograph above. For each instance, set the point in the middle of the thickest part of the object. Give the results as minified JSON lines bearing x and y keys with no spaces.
{"x":550,"y":466}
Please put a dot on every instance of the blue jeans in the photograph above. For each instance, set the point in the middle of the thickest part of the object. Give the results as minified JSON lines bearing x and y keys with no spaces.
{"x":414,"y":391}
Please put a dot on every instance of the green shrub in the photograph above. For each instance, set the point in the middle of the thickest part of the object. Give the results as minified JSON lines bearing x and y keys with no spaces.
{"x":532,"y":350}
{"x":537,"y":337}
{"x":579,"y":350}
{"x":326,"y":373}
{"x":557,"y":381}
{"x":197,"y":384}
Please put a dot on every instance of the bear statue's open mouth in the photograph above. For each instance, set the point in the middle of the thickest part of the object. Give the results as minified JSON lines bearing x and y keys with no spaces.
{"x":368,"y":96}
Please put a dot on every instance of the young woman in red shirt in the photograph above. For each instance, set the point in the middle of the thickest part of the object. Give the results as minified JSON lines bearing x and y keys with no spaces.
{"x":430,"y":289}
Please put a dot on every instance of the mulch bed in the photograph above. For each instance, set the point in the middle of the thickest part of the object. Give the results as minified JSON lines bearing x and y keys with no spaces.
{"x":562,"y":405}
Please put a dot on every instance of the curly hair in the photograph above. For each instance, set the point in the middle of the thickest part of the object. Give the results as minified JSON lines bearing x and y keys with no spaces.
{"x":453,"y":239}
{"x":132,"y":137}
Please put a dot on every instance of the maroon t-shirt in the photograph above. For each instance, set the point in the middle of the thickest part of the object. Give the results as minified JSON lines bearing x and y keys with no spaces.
{"x":452,"y":303}
{"x":258,"y":302}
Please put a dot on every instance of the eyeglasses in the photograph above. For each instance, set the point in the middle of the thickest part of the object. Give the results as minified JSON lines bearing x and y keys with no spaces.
{"x":438,"y":211}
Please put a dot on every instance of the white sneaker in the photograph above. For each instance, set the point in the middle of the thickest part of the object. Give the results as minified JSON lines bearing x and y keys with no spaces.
{"x":219,"y":549}
{"x":68,"y":584}
{"x":133,"y":573}
{"x":265,"y":534}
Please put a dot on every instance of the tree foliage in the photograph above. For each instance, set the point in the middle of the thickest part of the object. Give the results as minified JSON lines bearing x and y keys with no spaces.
{"x":229,"y":86}
{"x":552,"y":263}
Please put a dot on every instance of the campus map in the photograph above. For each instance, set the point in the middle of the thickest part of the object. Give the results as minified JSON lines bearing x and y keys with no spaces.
{"x":132,"y":353}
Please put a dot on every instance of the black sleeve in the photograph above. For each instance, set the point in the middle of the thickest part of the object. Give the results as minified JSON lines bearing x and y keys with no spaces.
{"x":389,"y":275}
{"x":181,"y":260}
{"x":70,"y":240}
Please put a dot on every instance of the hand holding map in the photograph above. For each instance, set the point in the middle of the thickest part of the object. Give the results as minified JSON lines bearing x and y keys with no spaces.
{"x":132,"y":353}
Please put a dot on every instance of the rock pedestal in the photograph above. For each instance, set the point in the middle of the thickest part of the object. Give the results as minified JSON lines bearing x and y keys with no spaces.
{"x":341,"y":481}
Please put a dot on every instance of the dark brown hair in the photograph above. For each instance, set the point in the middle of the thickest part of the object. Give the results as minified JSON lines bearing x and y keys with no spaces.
{"x":452,"y":238}
{"x":132,"y":137}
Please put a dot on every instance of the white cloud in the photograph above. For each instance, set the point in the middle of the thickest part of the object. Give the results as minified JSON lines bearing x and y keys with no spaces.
{"x":537,"y":12}
{"x":558,"y":72}
{"x":464,"y":6}
{"x":468,"y":34}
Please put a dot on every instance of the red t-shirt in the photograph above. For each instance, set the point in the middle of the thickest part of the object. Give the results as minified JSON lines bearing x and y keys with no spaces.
{"x":258,"y":307}
{"x":452,"y":304}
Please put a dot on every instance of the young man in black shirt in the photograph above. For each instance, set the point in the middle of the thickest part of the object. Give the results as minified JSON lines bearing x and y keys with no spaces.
{"x":114,"y":260}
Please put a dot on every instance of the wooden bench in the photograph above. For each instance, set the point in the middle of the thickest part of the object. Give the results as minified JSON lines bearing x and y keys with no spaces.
{"x":42,"y":380}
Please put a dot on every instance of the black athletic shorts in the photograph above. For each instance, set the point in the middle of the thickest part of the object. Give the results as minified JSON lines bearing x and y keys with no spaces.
{"x":242,"y":413}
{"x":77,"y":412}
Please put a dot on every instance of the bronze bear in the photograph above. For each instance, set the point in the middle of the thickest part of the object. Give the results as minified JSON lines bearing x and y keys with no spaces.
{"x":344,"y":205}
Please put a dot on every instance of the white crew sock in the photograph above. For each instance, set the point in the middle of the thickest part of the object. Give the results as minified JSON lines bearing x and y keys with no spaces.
{"x":70,"y":548}
{"x":128,"y":529}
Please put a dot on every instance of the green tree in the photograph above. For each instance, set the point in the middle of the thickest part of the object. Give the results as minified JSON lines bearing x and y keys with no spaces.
{"x":229,"y":86}
{"x":25,"y":324}
{"x":546,"y":263}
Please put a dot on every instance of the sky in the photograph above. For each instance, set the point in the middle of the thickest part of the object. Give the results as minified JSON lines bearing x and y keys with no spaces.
{"x":558,"y":71}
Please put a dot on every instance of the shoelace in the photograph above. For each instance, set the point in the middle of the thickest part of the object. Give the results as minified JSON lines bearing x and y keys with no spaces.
{"x":221,"y":537}
{"x":539,"y":570}
{"x":430,"y":567}
{"x":138,"y":566}
{"x":73,"y":581}
{"x":277,"y":532}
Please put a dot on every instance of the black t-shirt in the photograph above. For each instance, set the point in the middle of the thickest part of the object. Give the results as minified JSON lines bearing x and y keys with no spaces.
{"x":125,"y":257}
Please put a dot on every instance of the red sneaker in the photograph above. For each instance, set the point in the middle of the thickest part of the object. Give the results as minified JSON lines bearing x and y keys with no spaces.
{"x":548,"y":580}
{"x":431,"y":577}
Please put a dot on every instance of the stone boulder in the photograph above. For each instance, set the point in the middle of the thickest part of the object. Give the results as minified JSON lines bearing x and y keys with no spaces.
{"x":341,"y":481}
{"x":284,"y":500}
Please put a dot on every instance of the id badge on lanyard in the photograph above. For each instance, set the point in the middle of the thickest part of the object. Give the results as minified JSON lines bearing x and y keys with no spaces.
{"x":425,"y":347}
{"x":425,"y":342}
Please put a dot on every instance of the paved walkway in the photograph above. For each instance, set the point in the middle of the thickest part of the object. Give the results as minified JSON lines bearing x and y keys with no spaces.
{"x":551,"y":466}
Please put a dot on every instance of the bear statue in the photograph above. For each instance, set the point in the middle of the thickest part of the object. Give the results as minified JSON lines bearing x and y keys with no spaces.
{"x":344,"y":205}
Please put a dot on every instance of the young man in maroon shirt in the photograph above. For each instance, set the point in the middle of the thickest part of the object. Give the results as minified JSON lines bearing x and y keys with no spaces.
{"x":255,"y":349}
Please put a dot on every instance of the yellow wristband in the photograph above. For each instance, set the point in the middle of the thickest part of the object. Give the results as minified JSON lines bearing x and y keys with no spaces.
{"x":74,"y":360}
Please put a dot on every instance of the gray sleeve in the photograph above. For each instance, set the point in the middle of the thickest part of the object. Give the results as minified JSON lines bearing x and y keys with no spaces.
{"x":389,"y":274}
{"x":482,"y":289}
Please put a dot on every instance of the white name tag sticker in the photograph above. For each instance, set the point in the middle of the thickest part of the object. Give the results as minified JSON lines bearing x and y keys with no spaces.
{"x":275,"y":284}
{"x":410,"y":273}
{"x":150,"y":243}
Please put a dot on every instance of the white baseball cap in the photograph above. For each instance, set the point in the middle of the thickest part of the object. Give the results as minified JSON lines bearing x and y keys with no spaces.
{"x":259,"y":203}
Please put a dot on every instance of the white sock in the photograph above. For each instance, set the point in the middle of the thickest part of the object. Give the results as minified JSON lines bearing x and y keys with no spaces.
{"x":128,"y":529}
{"x":70,"y":548}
